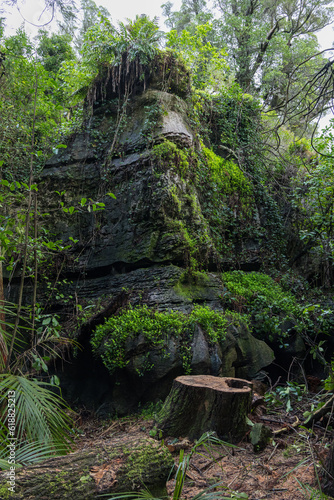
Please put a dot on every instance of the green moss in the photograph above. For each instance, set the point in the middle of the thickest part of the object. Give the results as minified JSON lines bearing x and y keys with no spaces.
{"x":175,"y":198}
{"x":168,"y":155}
{"x":195,"y":207}
{"x":141,"y":461}
{"x":5,"y":494}
{"x":192,"y":284}
{"x":154,"y":238}
{"x":227,"y":176}
{"x":109,"y":340}
{"x":224,"y":209}
{"x":194,"y":240}
{"x":86,"y":479}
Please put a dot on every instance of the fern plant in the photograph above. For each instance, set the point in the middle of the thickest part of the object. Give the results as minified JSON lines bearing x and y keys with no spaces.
{"x":32,"y":413}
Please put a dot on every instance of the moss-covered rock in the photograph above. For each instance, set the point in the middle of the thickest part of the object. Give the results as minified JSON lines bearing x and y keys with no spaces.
{"x":179,"y":214}
{"x":150,"y":348}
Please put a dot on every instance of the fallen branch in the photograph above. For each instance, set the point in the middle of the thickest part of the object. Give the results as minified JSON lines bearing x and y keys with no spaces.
{"x":288,"y":427}
{"x":317,"y":414}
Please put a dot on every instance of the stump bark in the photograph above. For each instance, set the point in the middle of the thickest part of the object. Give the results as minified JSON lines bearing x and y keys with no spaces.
{"x":201,"y":403}
{"x":123,"y":465}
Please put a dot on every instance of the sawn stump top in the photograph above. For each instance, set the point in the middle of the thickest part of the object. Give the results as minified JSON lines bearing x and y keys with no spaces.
{"x":224,"y":384}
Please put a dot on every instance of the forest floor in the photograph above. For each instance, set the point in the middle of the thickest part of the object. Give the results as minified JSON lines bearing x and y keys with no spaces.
{"x":287,"y":469}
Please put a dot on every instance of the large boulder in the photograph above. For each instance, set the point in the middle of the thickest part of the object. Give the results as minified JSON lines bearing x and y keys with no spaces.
{"x":148,"y":366}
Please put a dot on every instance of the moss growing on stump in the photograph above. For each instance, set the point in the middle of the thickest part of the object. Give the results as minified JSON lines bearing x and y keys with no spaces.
{"x":201,"y":403}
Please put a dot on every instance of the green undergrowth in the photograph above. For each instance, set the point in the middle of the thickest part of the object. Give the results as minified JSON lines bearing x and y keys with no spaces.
{"x":253,"y":285}
{"x":264,"y":299}
{"x":275,"y":313}
{"x":110,"y":340}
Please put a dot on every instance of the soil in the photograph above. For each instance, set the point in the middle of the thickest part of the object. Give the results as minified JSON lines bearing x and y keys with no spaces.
{"x":287,"y":469}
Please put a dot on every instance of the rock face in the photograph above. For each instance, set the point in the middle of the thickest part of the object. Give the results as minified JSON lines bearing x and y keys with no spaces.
{"x":158,"y":225}
{"x":150,"y":369}
{"x":158,"y":215}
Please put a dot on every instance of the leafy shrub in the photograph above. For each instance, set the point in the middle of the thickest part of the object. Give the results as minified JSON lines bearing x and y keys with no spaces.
{"x":266,"y":301}
{"x":289,"y":394}
{"x":276,"y":313}
{"x":254,"y":285}
{"x":109,"y":340}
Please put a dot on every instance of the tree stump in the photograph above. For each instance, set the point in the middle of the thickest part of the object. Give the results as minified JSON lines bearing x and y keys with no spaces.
{"x":126,"y":464}
{"x":201,"y":403}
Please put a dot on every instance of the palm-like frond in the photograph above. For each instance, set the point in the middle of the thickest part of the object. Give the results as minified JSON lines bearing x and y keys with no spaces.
{"x":29,"y":453}
{"x":48,"y":345}
{"x":3,"y":351}
{"x":40,"y":416}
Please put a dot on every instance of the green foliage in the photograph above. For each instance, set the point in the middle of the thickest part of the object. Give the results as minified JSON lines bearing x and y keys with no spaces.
{"x":53,"y":50}
{"x":114,"y":55}
{"x":213,"y":323}
{"x":192,"y":14}
{"x":228,"y":177}
{"x":32,"y":413}
{"x":24,"y":81}
{"x":313,"y":200}
{"x":92,"y":15}
{"x":252,"y":285}
{"x":289,"y":395}
{"x":150,"y":410}
{"x":259,"y":295}
{"x":29,"y":338}
{"x":168,"y":155}
{"x":109,"y":340}
{"x":271,"y":48}
{"x":275,"y":312}
{"x":277,"y":35}
{"x":104,"y":44}
{"x":207,"y":62}
{"x":14,"y":239}
{"x":39,"y":416}
{"x":237,"y":121}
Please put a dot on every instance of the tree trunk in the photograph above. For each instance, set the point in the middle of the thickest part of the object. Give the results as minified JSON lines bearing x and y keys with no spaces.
{"x":327,"y":477}
{"x":123,"y":465}
{"x":201,"y":403}
{"x":3,"y":344}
